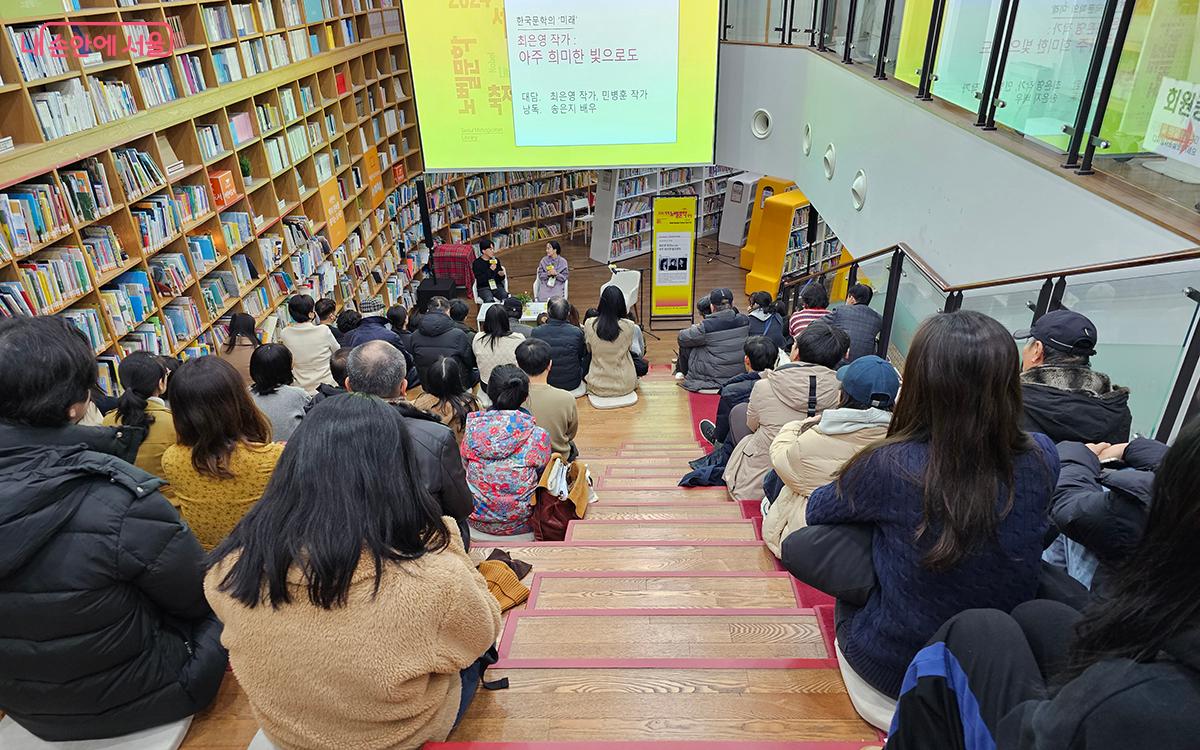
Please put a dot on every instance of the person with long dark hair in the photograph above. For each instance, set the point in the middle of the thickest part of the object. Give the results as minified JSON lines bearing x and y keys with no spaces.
{"x":224,"y":454}
{"x":552,"y":274}
{"x":957,"y":494}
{"x":765,"y":320}
{"x":105,"y":630}
{"x":446,"y":396}
{"x":505,"y":452}
{"x":144,"y":378}
{"x":609,"y":337}
{"x":1124,"y":674}
{"x":346,"y":578}
{"x":243,"y":340}
{"x":282,"y":403}
{"x":496,"y":344}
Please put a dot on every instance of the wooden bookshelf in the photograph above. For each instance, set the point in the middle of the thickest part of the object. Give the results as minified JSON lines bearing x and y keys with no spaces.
{"x":327,"y":129}
{"x":512,"y":208}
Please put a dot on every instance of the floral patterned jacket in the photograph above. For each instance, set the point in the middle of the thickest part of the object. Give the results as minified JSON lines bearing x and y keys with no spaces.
{"x":505,"y":452}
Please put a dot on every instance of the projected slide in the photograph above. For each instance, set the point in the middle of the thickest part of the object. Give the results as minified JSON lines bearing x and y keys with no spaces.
{"x":563,"y":83}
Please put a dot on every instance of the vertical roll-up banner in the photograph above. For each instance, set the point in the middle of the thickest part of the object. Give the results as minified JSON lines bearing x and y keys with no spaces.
{"x":673,"y":268}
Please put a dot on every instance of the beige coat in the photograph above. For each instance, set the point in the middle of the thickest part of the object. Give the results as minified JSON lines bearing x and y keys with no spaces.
{"x":806,"y":455}
{"x":311,"y":346}
{"x":611,"y":373}
{"x":783,"y":395}
{"x":382,"y":672}
{"x":489,"y":358}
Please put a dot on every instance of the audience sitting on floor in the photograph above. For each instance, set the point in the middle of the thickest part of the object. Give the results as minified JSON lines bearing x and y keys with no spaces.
{"x":568,"y":348}
{"x":243,"y":340}
{"x":610,"y":340}
{"x":459,"y":310}
{"x":1064,"y":397}
{"x":337,"y":367}
{"x":814,"y":305}
{"x":505,"y":452}
{"x":224,"y":455}
{"x":801,"y":389}
{"x":515,"y":309}
{"x":375,"y":326}
{"x":859,"y":321}
{"x":282,"y":403}
{"x":808,"y":453}
{"x":144,"y":379}
{"x":760,"y":355}
{"x":377,"y":369}
{"x":105,"y":630}
{"x":311,"y":345}
{"x":437,"y":337}
{"x":765,"y":320}
{"x":956,"y":497}
{"x":397,"y":317}
{"x":1123,"y":674}
{"x":353,"y":615}
{"x":348,"y":320}
{"x":495,"y":345}
{"x":445,"y":396}
{"x":326,"y":312}
{"x":553,"y":409}
{"x":1100,"y":506}
{"x":710,"y":352}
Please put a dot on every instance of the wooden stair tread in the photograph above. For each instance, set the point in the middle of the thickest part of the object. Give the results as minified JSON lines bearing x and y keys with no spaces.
{"x":672,"y":494}
{"x":625,"y":636}
{"x":639,"y":558}
{"x":665,"y":592}
{"x":692,"y":531}
{"x":663,"y":512}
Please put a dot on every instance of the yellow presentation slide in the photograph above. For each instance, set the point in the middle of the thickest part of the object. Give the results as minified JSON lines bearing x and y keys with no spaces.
{"x":556,"y":84}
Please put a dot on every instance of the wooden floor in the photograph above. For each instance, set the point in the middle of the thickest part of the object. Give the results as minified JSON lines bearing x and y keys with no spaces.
{"x":664,"y":620}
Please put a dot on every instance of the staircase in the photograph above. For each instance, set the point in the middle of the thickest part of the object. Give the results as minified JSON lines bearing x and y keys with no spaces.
{"x":662,"y":621}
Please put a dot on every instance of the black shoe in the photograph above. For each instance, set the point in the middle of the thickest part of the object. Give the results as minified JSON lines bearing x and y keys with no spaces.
{"x":708,"y":430}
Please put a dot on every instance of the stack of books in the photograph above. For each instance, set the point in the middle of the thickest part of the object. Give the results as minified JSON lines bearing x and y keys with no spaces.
{"x":137,"y":171}
{"x":55,"y":278}
{"x":63,"y":108}
{"x":225,"y":62}
{"x":157,"y":220}
{"x":31,"y":46}
{"x":277,"y":51}
{"x":236,"y":228}
{"x":203,"y":251}
{"x":87,"y":320}
{"x":32,"y":214}
{"x":113,"y":98}
{"x":171,"y":274}
{"x":216,"y":23}
{"x":158,"y":86}
{"x":193,"y":74}
{"x":243,"y":20}
{"x":103,"y":247}
{"x":193,"y":201}
{"x":88,"y":192}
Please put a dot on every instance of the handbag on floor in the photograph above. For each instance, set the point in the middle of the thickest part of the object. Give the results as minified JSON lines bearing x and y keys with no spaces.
{"x":561,"y":496}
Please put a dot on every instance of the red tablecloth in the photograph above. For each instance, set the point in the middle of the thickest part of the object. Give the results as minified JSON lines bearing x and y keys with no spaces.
{"x":454,"y":262}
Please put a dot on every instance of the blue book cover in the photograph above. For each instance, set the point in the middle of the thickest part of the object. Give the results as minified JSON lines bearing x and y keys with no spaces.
{"x":313,"y":11}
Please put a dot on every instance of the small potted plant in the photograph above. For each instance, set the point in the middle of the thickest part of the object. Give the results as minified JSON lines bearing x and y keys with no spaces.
{"x":244,"y":163}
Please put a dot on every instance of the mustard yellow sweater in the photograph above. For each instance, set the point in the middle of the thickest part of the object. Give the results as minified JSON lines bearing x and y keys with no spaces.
{"x":380,"y":673}
{"x":211,"y":506}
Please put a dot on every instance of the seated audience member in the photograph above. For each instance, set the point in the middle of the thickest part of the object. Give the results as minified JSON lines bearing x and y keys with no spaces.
{"x":445,"y":396}
{"x":337,"y":367}
{"x":377,"y":369}
{"x":808,"y":453}
{"x":326,"y":310}
{"x":459,"y":310}
{"x":282,"y":403}
{"x":1064,"y":397}
{"x":765,"y":320}
{"x":104,"y":630}
{"x":710,"y":352}
{"x":224,"y":454}
{"x":374,"y":326}
{"x":436,"y":337}
{"x":144,"y":379}
{"x":348,"y":551}
{"x":858,"y":320}
{"x":348,"y":320}
{"x":552,"y":273}
{"x":516,"y":309}
{"x":704,"y":307}
{"x":397,"y":318}
{"x":495,"y":345}
{"x":609,"y":339}
{"x":761,"y":355}
{"x":541,"y":319}
{"x":568,"y":348}
{"x":801,"y":389}
{"x":311,"y":345}
{"x":814,"y":305}
{"x":553,"y":408}
{"x":505,"y":452}
{"x":489,"y":274}
{"x":638,"y":351}
{"x":1100,"y":505}
{"x":243,"y":340}
{"x":959,"y":522}
{"x":1124,"y":674}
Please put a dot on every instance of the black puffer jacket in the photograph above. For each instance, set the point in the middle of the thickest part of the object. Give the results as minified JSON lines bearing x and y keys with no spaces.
{"x":1075,"y":404}
{"x":438,"y":337}
{"x":568,"y":351}
{"x":104,"y":629}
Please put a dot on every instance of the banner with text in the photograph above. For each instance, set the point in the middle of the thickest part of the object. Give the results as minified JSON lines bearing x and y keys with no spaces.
{"x":674,"y":263}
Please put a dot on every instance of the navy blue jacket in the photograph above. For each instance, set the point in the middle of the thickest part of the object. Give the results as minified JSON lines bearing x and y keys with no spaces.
{"x":568,"y":352}
{"x":772,"y":327}
{"x":736,"y":391}
{"x":862,"y":324}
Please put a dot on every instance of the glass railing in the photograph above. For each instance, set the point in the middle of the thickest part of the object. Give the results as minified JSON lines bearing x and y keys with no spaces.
{"x":1146,"y":317}
{"x":1112,"y":84}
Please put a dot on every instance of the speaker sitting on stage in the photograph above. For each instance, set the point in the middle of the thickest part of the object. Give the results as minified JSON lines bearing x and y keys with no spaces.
{"x":489,"y":274}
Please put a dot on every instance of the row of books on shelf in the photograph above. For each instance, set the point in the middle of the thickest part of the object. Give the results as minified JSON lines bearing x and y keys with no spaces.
{"x":137,"y":171}
{"x":62,"y":109}
{"x":157,"y":220}
{"x":31,"y":214}
{"x":30,"y":45}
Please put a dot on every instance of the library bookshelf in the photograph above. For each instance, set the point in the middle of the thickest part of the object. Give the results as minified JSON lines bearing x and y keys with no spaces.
{"x":512,"y":208}
{"x":272,"y":149}
{"x":625,"y":202}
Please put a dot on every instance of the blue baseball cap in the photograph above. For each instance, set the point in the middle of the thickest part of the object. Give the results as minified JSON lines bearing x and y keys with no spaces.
{"x":1064,"y":330}
{"x":871,"y":380}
